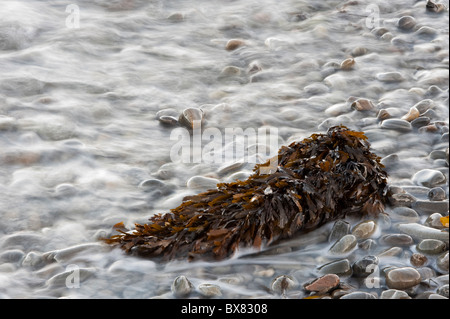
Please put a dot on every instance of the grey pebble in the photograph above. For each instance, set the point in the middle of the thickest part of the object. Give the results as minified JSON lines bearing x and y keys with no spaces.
{"x":358,"y":295}
{"x":364,"y":229}
{"x":196,"y":182}
{"x":402,"y":278}
{"x":404,"y":214}
{"x":394,"y":294}
{"x":424,"y":105}
{"x":437,"y":194}
{"x":426,"y":206}
{"x":434,"y":220}
{"x":391,"y":252}
{"x":390,"y":77}
{"x":443,"y":291}
{"x":368,"y":244}
{"x":11,"y":256}
{"x":209,"y":290}
{"x":339,"y":267}
{"x":396,"y":124}
{"x":365,"y":266}
{"x":420,"y":121}
{"x":181,"y":286}
{"x":344,"y":245}
{"x":442,"y":261}
{"x":406,"y":23}
{"x":397,"y":239}
{"x":428,"y":178}
{"x":339,"y":230}
{"x":423,"y":232}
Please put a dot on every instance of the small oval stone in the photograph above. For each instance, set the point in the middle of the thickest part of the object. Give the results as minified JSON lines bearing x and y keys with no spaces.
{"x":397,"y":240}
{"x":344,"y":245}
{"x":418,"y":260}
{"x":431,"y":246}
{"x":347,"y":64}
{"x":437,"y":194}
{"x":364,"y":229}
{"x":182,"y":287}
{"x":383,"y":115}
{"x":442,"y":261}
{"x":190,"y":117}
{"x":210,"y":290}
{"x":323,"y":284}
{"x":411,"y":115}
{"x":362,"y":105}
{"x":428,"y":177}
{"x":338,"y":267}
{"x":390,"y":77}
{"x":202,"y":182}
{"x":423,"y":232}
{"x":358,"y":295}
{"x":396,"y":124}
{"x":402,"y":278}
{"x":420,"y":121}
{"x":340,"y":229}
{"x":233,"y":44}
{"x":394,"y":294}
{"x":434,"y":220}
{"x":406,"y":23}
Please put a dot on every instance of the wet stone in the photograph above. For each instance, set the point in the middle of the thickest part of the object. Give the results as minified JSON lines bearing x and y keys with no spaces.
{"x":191,"y":118}
{"x":358,"y":295}
{"x":412,"y":114}
{"x":431,"y":246}
{"x":424,"y":105}
{"x":339,"y":230}
{"x":402,"y":278}
{"x":344,"y":245}
{"x":282,"y":283}
{"x":196,"y":182}
{"x":443,"y":290}
{"x":365,"y":266}
{"x":362,"y":105}
{"x":406,"y":23}
{"x":391,"y":252}
{"x":394,"y":294}
{"x":364,"y":230}
{"x":368,"y":245}
{"x":339,"y":267}
{"x":434,"y":220}
{"x":442,"y":261}
{"x":397,"y":125}
{"x":418,"y":260}
{"x":420,"y":122}
{"x":426,"y":206}
{"x":437,"y":194}
{"x":323,"y":284}
{"x":404,"y":214}
{"x":390,"y":77}
{"x":347,"y":64}
{"x":182,"y":287}
{"x":428,"y":178}
{"x":397,"y":240}
{"x":423,"y":232}
{"x":233,"y":44}
{"x":209,"y":290}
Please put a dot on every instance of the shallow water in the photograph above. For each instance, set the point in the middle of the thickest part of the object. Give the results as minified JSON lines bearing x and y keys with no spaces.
{"x":79,"y":132}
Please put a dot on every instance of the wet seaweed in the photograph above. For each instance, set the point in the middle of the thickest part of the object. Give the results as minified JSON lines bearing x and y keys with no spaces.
{"x":322,"y":178}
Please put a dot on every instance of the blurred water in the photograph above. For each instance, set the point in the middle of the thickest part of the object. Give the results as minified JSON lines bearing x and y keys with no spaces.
{"x":79,"y":133}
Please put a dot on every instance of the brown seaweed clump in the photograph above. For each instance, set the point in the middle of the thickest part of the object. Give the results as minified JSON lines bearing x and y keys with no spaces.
{"x":321,"y":178}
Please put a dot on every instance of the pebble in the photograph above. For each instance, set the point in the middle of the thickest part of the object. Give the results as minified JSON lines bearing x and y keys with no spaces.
{"x":359,"y":295}
{"x":411,"y":115}
{"x":344,"y":245}
{"x":182,"y":287}
{"x":390,"y":77}
{"x":347,"y":64}
{"x":323,"y":284}
{"x":431,"y":246}
{"x":442,"y":260}
{"x":426,"y":31}
{"x":424,"y":105}
{"x":365,"y":266}
{"x":423,"y":232}
{"x":209,"y":290}
{"x":437,"y":194}
{"x":405,"y":214}
{"x":197,"y":182}
{"x":339,"y":230}
{"x":402,"y":278}
{"x":67,"y":254}
{"x":435,"y":7}
{"x":383,"y":115}
{"x":397,"y":240}
{"x":418,"y":260}
{"x":406,"y":23}
{"x":428,"y":177}
{"x":434,"y":220}
{"x":190,"y":117}
{"x":426,"y":206}
{"x":233,"y":44}
{"x":394,"y":294}
{"x":396,"y":124}
{"x":362,"y":105}
{"x":391,"y":252}
{"x":282,"y":283}
{"x":339,"y":267}
{"x":11,"y":256}
{"x":368,"y":244}
{"x":443,"y":291}
{"x":364,"y":229}
{"x":420,"y":121}
{"x":359,"y":51}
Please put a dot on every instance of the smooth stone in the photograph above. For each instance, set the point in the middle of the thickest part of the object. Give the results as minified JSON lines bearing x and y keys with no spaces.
{"x":437,"y":194}
{"x":443,"y":290}
{"x":396,"y":124}
{"x":181,"y":286}
{"x":282,"y":283}
{"x":209,"y":290}
{"x":383,"y":115}
{"x":390,"y":77}
{"x":418,"y":260}
{"x":230,"y":71}
{"x":347,"y":64}
{"x":426,"y":31}
{"x":423,"y":232}
{"x":424,"y":105}
{"x":394,"y":294}
{"x":362,"y":105}
{"x":196,"y":182}
{"x":323,"y":284}
{"x":426,"y":273}
{"x":406,"y":23}
{"x":431,"y":246}
{"x":191,"y":118}
{"x":358,"y":295}
{"x":365,"y":266}
{"x":428,"y":178}
{"x":339,"y":230}
{"x":397,"y":240}
{"x":168,"y":120}
{"x":344,"y":245}
{"x":368,"y":244}
{"x":12,"y":256}
{"x":404,"y":214}
{"x":339,"y":267}
{"x":402,"y":278}
{"x":442,"y":261}
{"x":66,"y":254}
{"x":364,"y":229}
{"x":412,"y":114}
{"x":434,"y":220}
{"x":426,"y":206}
{"x":233,"y":44}
{"x":420,"y":122}
{"x":391,"y":252}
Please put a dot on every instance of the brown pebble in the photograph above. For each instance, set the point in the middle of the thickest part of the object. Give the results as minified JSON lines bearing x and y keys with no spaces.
{"x":362,"y":105}
{"x":233,"y":44}
{"x":347,"y":64}
{"x":383,"y":115}
{"x":402,"y":278}
{"x":411,"y":115}
{"x":323,"y":284}
{"x":435,"y":7}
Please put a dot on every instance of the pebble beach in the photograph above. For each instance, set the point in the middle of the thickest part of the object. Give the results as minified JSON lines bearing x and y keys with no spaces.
{"x":91,"y":93}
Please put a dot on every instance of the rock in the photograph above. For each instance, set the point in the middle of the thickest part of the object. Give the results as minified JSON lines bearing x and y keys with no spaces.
{"x":418,"y":260}
{"x":397,"y":240}
{"x":431,"y":246}
{"x":323,"y":284}
{"x":390,"y":77}
{"x":190,"y":117}
{"x":391,"y":252}
{"x":176,"y":17}
{"x":406,"y":23}
{"x":362,"y":105}
{"x":402,"y":199}
{"x":443,"y":291}
{"x":424,"y":105}
{"x":168,"y":120}
{"x":383,"y":115}
{"x":402,"y":278}
{"x":233,"y":44}
{"x":358,"y":295}
{"x":368,"y":244}
{"x":394,"y":294}
{"x":11,"y":256}
{"x":426,"y":31}
{"x":404,"y":214}
{"x":396,"y":124}
{"x":359,"y":51}
{"x":437,"y":194}
{"x":210,"y":290}
{"x":364,"y":229}
{"x":411,"y":115}
{"x":423,"y":232}
{"x":339,"y":267}
{"x":434,"y":221}
{"x":365,"y":266}
{"x":420,"y":122}
{"x":347,"y":64}
{"x":428,"y":178}
{"x":435,"y":7}
{"x":33,"y":259}
{"x":426,"y":206}
{"x":67,"y":254}
{"x":339,"y":230}
{"x":182,"y":287}
{"x":282,"y":283}
{"x":442,"y":261}
{"x":344,"y":245}
{"x":202,"y":182}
